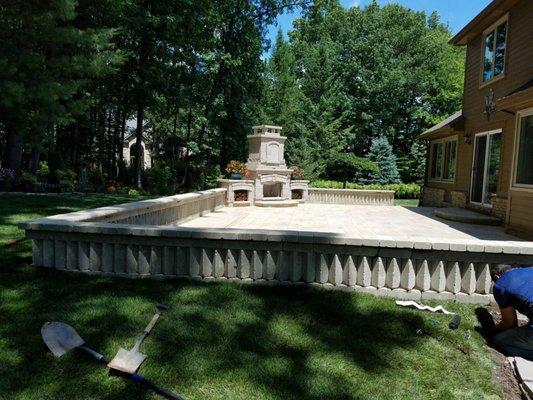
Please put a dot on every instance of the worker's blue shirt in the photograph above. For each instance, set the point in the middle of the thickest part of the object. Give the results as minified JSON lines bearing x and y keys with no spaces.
{"x":515,"y":289}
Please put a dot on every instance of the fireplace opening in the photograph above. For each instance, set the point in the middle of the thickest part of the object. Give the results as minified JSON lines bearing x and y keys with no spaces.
{"x":272,"y":189}
{"x":297,"y":194}
{"x":241,"y":195}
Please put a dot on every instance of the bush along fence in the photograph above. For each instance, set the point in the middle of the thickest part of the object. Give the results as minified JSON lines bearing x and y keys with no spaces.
{"x":134,"y":240}
{"x":401,"y":190}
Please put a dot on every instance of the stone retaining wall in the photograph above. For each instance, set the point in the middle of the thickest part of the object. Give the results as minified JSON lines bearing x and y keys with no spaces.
{"x":161,"y":211}
{"x":126,"y":240}
{"x":351,"y":196}
{"x":423,"y":271}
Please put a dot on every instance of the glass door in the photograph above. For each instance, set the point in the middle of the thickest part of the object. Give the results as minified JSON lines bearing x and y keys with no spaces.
{"x":486,"y":167}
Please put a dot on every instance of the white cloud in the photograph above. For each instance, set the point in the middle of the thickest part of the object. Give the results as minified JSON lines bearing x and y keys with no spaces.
{"x":355,"y":3}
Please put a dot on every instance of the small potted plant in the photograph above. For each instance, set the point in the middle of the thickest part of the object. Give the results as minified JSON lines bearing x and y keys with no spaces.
{"x":236,"y":170}
{"x":297,"y":173}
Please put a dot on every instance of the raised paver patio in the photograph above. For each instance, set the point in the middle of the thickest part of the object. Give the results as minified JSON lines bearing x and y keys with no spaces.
{"x":392,"y":251}
{"x":398,"y":223}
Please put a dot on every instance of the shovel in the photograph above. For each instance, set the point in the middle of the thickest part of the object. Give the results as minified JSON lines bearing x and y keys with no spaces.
{"x":129,"y":361}
{"x":61,"y":338}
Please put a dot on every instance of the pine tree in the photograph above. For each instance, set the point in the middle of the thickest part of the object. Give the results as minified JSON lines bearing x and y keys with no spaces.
{"x":381,"y":153}
{"x":45,"y":63}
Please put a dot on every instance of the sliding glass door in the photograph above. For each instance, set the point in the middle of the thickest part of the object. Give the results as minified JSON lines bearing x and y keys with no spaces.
{"x":485,"y":167}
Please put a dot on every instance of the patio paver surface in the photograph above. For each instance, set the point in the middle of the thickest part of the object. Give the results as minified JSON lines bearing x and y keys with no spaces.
{"x":399,"y":223}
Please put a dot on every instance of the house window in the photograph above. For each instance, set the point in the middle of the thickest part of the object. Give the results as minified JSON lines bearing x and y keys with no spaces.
{"x":443,"y":155}
{"x":494,"y":52}
{"x":524,"y":160}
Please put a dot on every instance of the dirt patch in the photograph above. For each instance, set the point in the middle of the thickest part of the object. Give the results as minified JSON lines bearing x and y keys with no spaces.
{"x":504,"y":373}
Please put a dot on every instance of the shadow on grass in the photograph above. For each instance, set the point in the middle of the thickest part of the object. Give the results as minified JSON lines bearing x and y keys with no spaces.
{"x":283,"y":342}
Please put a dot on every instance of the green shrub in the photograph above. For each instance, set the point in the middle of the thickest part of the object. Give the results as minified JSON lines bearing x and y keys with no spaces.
{"x":346,"y":167}
{"x":67,"y":179}
{"x":28,"y":178}
{"x":212,"y":176}
{"x":159,"y":180}
{"x":44,"y":170}
{"x":133,"y":192}
{"x":401,"y":190}
{"x":97,"y":179}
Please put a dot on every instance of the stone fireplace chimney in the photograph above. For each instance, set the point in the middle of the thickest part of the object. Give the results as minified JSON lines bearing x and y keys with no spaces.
{"x":266,"y":163}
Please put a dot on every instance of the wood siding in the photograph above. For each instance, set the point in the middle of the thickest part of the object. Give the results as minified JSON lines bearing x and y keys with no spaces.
{"x":521,"y":213}
{"x":518,"y":71}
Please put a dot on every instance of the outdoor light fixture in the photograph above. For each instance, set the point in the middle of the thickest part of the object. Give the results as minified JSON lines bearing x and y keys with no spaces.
{"x":468,"y":138}
{"x":490,"y":104}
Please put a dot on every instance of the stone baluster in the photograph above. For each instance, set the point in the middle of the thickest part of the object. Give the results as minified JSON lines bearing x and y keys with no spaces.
{"x":244,"y":265}
{"x":423,"y":277}
{"x":296,"y":266}
{"x":484,"y":281}
{"x":393,"y":278}
{"x":438,"y":277}
{"x":408,"y":277}
{"x":379,"y":274}
{"x":453,"y":280}
{"x":349,"y":272}
{"x":335,"y":271}
{"x":468,"y":281}
{"x":232,"y":263}
{"x":364,"y":273}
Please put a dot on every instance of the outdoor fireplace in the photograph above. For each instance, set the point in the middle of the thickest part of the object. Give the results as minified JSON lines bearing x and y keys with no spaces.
{"x":272,"y":190}
{"x":269,"y":182}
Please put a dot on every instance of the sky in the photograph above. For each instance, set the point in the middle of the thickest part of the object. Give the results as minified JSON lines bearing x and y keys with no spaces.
{"x":455,"y":13}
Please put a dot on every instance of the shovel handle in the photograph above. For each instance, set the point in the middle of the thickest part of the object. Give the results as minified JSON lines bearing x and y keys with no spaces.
{"x":167,"y":394}
{"x":145,"y":333}
{"x":99,"y":357}
{"x":151,"y":323}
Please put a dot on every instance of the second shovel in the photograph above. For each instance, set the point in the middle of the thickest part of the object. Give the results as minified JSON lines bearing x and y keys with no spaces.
{"x":130,"y":360}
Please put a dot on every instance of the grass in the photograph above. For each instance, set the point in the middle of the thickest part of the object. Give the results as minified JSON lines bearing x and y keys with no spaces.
{"x":224,"y":341}
{"x":406,"y":202}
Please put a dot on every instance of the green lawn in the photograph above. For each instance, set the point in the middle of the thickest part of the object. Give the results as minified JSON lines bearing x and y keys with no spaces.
{"x":224,"y":341}
{"x":406,"y":202}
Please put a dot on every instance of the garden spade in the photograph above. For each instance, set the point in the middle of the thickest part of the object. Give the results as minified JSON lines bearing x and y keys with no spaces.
{"x":130,"y":360}
{"x":61,"y":338}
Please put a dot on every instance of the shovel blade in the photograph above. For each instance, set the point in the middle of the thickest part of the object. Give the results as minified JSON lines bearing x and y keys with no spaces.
{"x":60,"y":337}
{"x":127,"y":361}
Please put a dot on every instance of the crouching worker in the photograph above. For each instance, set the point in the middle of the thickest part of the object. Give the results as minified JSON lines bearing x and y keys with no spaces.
{"x":513,"y":291}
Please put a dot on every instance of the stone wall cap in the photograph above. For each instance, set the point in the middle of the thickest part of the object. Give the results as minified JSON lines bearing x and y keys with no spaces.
{"x":236,"y":180}
{"x":120,"y":210}
{"x":334,"y":238}
{"x":267,"y":126}
{"x":351,"y":190}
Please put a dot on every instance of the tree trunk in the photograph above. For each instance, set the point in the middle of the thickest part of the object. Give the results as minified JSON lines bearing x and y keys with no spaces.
{"x":138,"y":144}
{"x":13,"y":151}
{"x":33,"y":167}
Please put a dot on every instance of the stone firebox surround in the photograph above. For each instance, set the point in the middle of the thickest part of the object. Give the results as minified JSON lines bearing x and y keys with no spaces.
{"x":269,"y":178}
{"x":141,"y":240}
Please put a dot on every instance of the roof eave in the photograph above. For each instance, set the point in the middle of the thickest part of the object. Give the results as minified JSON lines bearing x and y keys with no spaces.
{"x":487,"y":16}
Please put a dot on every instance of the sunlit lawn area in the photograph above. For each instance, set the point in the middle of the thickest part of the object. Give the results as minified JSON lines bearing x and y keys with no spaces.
{"x":224,"y":341}
{"x":406,"y":202}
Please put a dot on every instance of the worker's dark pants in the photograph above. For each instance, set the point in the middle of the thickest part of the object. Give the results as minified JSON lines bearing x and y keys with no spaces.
{"x":516,"y":342}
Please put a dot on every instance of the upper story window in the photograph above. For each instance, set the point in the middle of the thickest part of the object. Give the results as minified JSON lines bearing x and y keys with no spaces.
{"x":494,"y":42}
{"x":443,"y":156}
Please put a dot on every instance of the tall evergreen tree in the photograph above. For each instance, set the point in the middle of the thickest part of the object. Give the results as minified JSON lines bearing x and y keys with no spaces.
{"x":381,"y":154}
{"x":45,"y":62}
